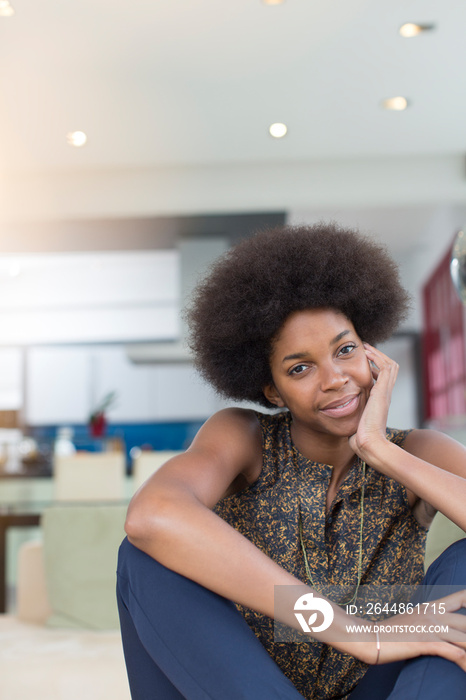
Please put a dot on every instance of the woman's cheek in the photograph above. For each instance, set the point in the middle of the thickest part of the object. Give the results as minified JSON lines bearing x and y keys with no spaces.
{"x":369,"y":379}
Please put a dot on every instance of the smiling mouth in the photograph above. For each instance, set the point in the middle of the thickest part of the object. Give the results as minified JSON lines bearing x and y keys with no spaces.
{"x":343,"y":409}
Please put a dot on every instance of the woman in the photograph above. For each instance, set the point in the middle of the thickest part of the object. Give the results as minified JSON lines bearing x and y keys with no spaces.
{"x":319,"y":493}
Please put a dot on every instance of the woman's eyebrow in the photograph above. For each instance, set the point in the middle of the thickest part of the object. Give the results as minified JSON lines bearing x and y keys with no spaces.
{"x":339,"y":337}
{"x":296,"y":356}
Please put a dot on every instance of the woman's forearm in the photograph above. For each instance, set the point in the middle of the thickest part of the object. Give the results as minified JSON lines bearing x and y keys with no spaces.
{"x":442,"y":489}
{"x":190,"y":539}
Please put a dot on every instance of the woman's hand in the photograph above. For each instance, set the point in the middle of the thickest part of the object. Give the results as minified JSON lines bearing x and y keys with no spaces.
{"x":429,"y":629}
{"x":371,"y":428}
{"x":438,"y":631}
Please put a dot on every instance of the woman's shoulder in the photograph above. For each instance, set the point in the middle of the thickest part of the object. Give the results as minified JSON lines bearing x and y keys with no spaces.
{"x":273,"y":421}
{"x":434,"y":446}
{"x":232,"y":422}
{"x":263,"y":437}
{"x":247,"y":419}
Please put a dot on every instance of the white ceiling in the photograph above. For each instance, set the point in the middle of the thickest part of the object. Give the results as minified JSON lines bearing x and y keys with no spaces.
{"x":176,"y":98}
{"x":158,"y":82}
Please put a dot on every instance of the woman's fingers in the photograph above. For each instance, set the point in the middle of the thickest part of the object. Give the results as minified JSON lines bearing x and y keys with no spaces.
{"x":447,"y":651}
{"x":380,"y":363}
{"x":373,"y":421}
{"x":390,"y":652}
{"x":453,"y":601}
{"x":453,"y":649}
{"x":437,"y":630}
{"x":384,"y":371}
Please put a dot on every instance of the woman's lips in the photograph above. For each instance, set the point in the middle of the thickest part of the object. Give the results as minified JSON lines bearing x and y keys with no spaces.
{"x":345,"y":408}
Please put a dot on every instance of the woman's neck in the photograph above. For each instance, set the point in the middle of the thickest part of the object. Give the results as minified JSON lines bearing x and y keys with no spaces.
{"x":324,"y":448}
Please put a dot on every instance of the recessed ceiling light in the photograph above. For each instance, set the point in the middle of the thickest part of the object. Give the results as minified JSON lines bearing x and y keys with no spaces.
{"x":273,"y":2}
{"x":278,"y":130}
{"x":396,"y":104}
{"x":76,"y":138}
{"x":6,"y":9}
{"x":411,"y":29}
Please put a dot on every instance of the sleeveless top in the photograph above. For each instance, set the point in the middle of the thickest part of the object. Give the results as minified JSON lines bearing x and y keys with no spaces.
{"x":267,"y":513}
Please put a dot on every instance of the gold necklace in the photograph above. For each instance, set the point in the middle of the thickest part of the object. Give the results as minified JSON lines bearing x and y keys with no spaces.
{"x":361,"y":525}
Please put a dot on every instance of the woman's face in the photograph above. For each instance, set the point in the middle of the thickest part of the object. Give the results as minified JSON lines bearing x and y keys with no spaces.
{"x":320,"y":372}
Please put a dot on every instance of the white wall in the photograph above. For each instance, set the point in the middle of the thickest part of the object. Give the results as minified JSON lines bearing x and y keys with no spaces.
{"x":231,"y":188}
{"x":89,"y":297}
{"x":66,"y":384}
{"x":403,"y":412}
{"x":11,"y":379}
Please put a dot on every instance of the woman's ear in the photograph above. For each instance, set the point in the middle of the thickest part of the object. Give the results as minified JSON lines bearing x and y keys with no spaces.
{"x":272,"y":395}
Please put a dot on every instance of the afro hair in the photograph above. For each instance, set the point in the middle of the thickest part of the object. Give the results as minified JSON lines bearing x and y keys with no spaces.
{"x":239,"y":308}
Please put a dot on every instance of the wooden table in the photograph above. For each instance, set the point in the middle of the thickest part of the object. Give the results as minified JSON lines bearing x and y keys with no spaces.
{"x":13,"y":516}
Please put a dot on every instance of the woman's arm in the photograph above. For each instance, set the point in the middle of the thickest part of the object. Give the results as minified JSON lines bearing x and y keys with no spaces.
{"x":170,"y":518}
{"x":431,"y":466}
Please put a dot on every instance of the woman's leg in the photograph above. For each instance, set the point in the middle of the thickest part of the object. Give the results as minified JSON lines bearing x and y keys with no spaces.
{"x":183,"y":641}
{"x":146,"y":680}
{"x":426,"y":677}
{"x":431,"y":677}
{"x":378,"y":682}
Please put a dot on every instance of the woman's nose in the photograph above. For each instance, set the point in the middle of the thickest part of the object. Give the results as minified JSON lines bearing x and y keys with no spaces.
{"x":332,"y":378}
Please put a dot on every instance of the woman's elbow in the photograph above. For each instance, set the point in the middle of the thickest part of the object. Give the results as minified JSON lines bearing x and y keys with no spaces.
{"x":147,"y":517}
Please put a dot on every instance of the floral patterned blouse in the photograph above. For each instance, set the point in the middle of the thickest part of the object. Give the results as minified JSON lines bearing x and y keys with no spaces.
{"x":267,"y":513}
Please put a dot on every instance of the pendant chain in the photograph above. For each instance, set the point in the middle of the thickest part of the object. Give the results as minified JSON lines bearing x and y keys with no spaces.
{"x":361,"y":526}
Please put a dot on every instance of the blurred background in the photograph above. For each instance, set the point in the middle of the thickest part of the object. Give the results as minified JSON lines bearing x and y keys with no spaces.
{"x":136,"y":145}
{"x":140,"y":140}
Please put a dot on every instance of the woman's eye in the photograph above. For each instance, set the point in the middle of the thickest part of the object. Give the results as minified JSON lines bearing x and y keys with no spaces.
{"x":298,"y":369}
{"x":346,"y":349}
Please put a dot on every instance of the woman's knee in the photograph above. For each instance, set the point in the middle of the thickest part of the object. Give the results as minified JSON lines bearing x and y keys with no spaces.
{"x":450,"y":567}
{"x":135,"y":565}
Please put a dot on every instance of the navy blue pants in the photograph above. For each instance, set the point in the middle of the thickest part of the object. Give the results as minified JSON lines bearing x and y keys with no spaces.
{"x":183,"y":642}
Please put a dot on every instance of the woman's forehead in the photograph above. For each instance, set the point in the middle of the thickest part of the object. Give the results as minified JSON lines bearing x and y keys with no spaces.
{"x":314,"y":322}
